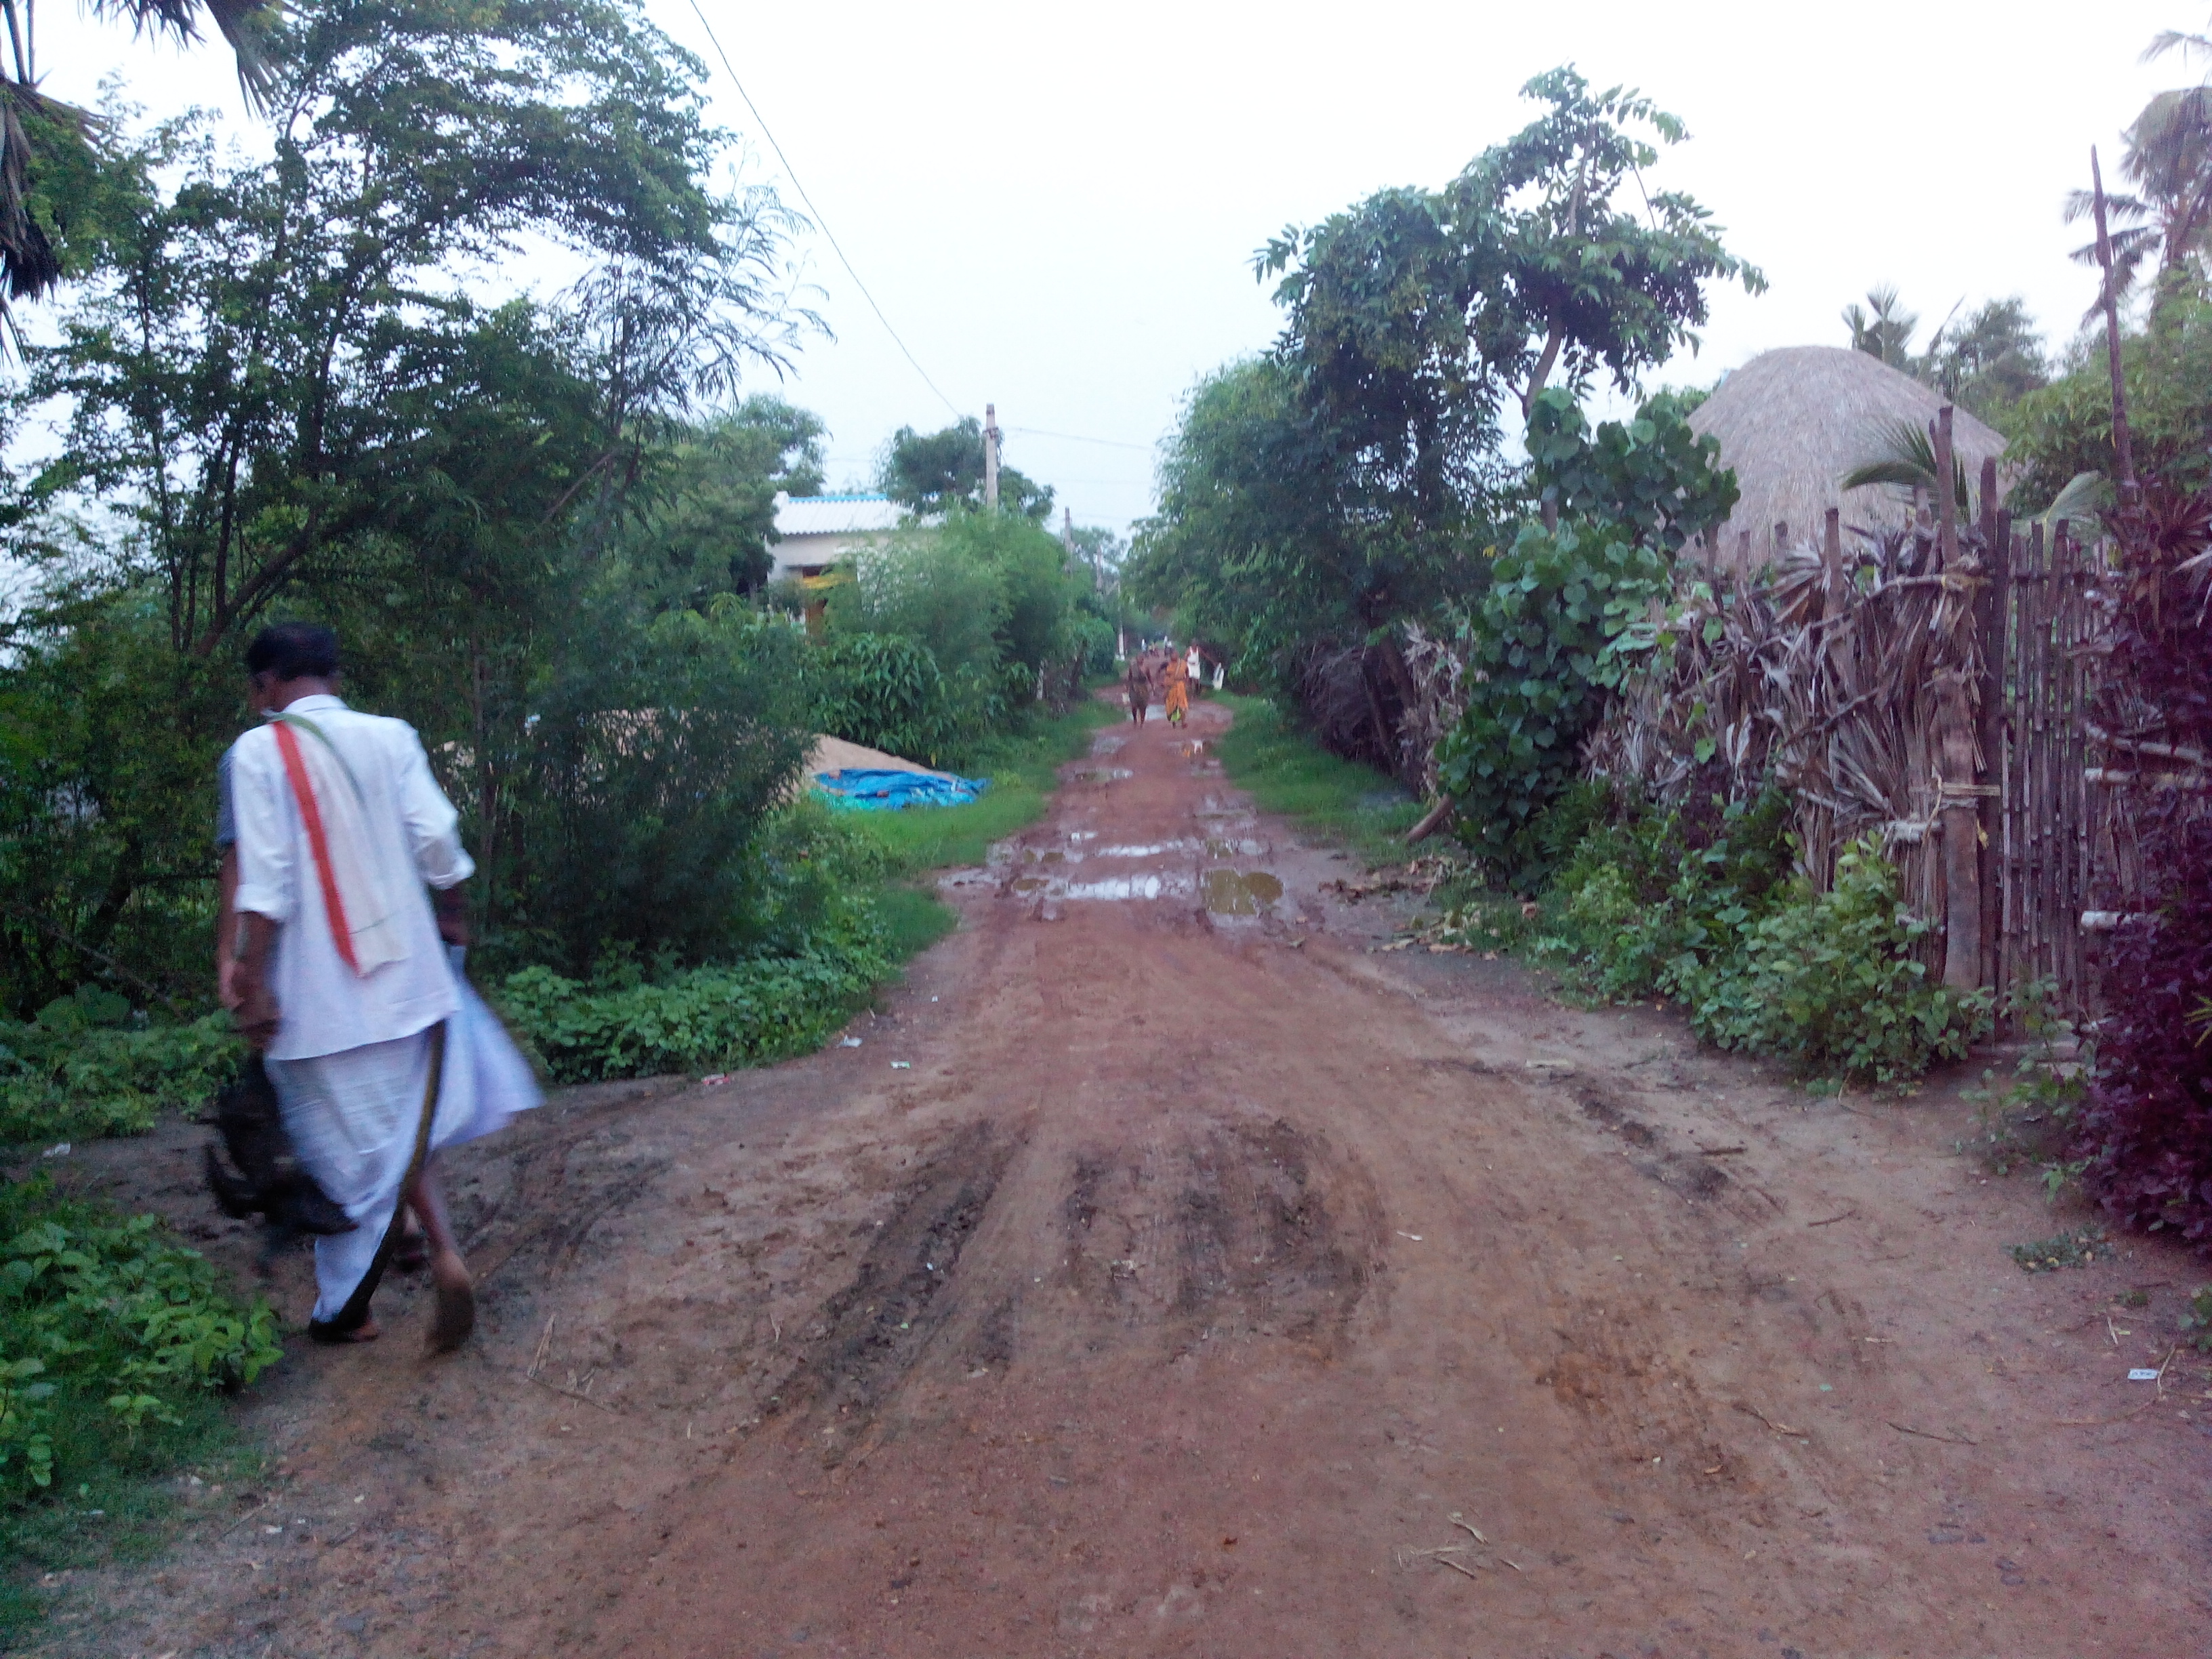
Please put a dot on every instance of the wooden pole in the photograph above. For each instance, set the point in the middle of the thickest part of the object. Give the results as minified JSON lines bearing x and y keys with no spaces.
{"x":991,"y":456}
{"x":1955,"y":731}
{"x":1996,"y":537}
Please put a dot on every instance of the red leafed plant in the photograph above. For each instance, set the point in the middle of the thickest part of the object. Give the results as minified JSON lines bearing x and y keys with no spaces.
{"x":2146,"y":1131}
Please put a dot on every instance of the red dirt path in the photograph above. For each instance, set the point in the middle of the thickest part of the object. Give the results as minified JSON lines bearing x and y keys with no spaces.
{"x":1204,"y":1283}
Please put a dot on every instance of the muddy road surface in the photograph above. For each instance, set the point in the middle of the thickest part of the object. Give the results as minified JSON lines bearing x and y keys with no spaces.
{"x":1167,"y":1271}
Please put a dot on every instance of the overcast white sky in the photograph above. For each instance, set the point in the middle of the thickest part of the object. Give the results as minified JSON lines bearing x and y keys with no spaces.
{"x":1056,"y":206}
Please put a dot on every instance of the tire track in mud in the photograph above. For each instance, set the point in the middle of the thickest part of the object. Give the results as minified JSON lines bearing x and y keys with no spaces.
{"x":869,"y":1336}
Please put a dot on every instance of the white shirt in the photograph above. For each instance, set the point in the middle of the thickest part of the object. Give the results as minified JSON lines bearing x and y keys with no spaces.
{"x":324,"y":1007}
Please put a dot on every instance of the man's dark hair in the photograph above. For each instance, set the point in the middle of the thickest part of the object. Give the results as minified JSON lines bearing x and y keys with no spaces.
{"x":293,"y":651}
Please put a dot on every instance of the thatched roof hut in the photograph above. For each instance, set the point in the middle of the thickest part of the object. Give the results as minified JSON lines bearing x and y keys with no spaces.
{"x":1792,"y":422}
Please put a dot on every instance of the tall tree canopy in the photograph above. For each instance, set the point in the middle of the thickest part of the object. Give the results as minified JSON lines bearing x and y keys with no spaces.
{"x":932,"y":471}
{"x":255,"y":375}
{"x":1359,"y":476}
{"x":1418,"y":317}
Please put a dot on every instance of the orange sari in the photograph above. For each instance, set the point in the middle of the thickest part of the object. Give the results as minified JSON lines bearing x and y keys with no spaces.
{"x":1178,"y":681}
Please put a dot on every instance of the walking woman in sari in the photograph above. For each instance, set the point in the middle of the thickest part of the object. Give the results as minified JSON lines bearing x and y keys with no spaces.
{"x":1177,"y":677}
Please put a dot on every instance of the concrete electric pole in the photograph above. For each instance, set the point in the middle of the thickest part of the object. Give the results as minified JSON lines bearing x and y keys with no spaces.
{"x":991,"y":456}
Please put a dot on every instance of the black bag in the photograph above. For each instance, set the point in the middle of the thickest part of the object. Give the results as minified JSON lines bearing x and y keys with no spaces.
{"x":269,"y":1180}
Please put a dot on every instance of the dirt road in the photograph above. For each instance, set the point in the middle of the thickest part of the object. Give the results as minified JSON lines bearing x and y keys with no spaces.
{"x":1168,"y":1272}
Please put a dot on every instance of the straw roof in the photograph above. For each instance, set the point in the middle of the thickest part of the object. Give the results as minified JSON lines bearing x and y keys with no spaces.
{"x":1792,"y":422}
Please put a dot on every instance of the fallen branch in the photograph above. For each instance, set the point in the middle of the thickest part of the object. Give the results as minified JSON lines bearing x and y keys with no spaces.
{"x":1431,"y":821}
{"x":1830,"y":1221}
{"x":1446,"y":1561}
{"x":1948,"y":1440}
{"x":1723,"y":1152}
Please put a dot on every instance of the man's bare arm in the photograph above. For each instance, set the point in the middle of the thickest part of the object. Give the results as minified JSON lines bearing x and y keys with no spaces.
{"x":226,"y":929}
{"x":256,"y":1012}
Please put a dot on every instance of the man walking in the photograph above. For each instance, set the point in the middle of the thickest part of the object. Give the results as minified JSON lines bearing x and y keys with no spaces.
{"x":379,"y":1053}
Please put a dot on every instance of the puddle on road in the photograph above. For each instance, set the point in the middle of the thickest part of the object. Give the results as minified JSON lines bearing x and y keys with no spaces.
{"x":1241,"y":893}
{"x":1115,"y":888}
{"x":1104,"y":774}
{"x":1106,"y":742}
{"x":1219,"y":848}
{"x":1148,"y":850}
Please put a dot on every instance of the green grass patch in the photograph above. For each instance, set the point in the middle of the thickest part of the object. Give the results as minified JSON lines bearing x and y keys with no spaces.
{"x":1287,"y":773}
{"x":116,"y":1345}
{"x":1021,"y":767}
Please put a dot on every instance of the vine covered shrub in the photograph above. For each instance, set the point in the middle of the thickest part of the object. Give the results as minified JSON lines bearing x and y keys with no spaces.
{"x":2146,"y":1131}
{"x":1827,"y":982}
{"x":1538,"y":669}
{"x":112,"y":1337}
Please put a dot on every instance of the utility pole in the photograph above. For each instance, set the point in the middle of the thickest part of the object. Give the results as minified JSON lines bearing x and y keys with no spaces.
{"x":1067,"y":533}
{"x":991,"y":456}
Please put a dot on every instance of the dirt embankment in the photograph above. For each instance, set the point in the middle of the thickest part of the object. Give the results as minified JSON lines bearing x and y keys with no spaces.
{"x":1166,"y":1273}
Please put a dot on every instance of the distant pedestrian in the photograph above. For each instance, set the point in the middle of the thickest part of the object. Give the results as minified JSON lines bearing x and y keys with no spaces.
{"x":1137,"y":684}
{"x":1178,"y":689}
{"x":379,"y":1053}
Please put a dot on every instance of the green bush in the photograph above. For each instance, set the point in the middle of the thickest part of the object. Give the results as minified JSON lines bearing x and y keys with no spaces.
{"x":651,"y":765}
{"x":701,"y":1020}
{"x":1538,"y":668}
{"x":111,"y":1332}
{"x":85,"y":1067}
{"x":1829,"y":983}
{"x":886,"y":690}
{"x":1699,"y":906}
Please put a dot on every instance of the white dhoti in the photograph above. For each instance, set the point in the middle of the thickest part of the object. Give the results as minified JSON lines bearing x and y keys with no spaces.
{"x":353,"y":1116}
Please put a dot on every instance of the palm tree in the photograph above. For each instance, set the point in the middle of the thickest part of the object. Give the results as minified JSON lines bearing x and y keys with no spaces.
{"x":2168,"y":158}
{"x":42,"y":136}
{"x":1880,"y":329}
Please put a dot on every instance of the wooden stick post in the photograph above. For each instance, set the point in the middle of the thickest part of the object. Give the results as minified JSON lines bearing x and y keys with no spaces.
{"x":1990,"y":604}
{"x":1955,"y":731}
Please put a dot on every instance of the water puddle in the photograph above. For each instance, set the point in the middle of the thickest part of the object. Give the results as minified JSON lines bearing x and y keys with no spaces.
{"x":1241,"y":893}
{"x":1123,"y":888}
{"x":1104,"y":774}
{"x":1217,"y":849}
{"x":1149,"y":850}
{"x":1106,"y":742}
{"x":1031,"y":884}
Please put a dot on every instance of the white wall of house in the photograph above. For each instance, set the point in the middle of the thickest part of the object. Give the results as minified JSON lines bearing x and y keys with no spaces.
{"x":815,"y":532}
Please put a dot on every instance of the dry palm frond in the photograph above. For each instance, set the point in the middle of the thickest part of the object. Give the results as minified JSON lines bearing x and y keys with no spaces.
{"x":1823,"y":679}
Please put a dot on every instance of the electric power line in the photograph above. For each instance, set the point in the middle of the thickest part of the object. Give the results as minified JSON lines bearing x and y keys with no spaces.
{"x":829,"y":236}
{"x":1078,"y":438}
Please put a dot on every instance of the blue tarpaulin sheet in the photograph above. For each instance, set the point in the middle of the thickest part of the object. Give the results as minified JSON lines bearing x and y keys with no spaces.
{"x":867,"y":789}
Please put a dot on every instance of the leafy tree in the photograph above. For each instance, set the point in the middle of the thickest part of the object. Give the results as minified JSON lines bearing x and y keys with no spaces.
{"x":1988,"y":362}
{"x":280,"y":398}
{"x":2061,"y":431}
{"x":1544,"y":643}
{"x":707,"y":520}
{"x":1414,"y":315}
{"x":237,"y":377}
{"x":1651,"y":477}
{"x":1260,"y":542}
{"x":934,"y":471}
